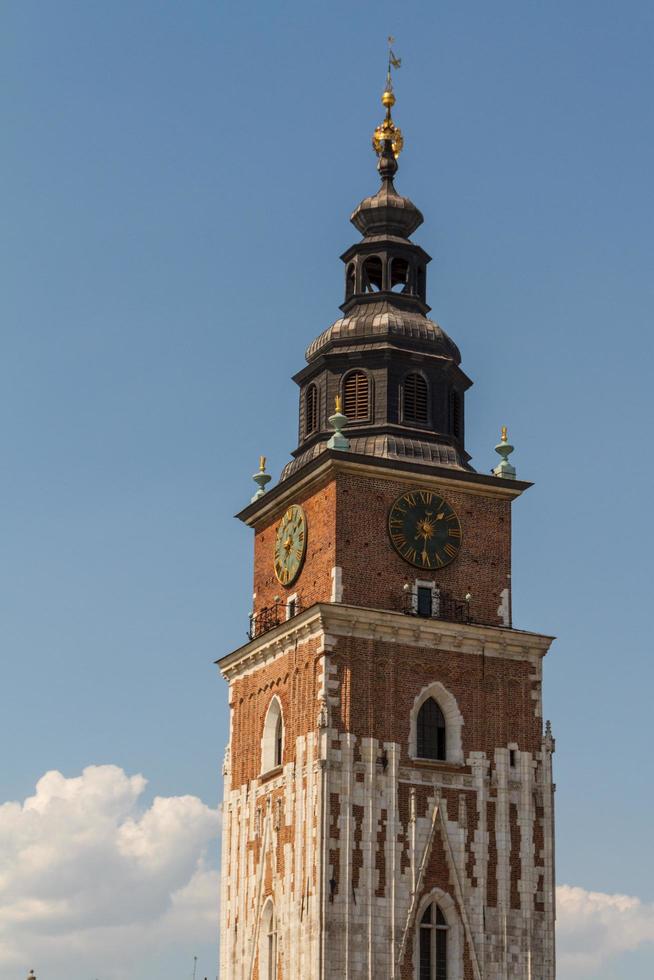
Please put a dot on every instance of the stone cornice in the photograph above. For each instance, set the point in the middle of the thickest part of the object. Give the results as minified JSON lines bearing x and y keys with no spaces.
{"x":333,"y":620}
{"x":331,"y":462}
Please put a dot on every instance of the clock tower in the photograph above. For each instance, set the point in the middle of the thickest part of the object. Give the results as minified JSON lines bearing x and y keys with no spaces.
{"x":388,"y":808}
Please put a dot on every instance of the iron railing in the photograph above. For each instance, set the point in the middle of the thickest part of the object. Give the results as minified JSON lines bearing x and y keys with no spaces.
{"x":436,"y":604}
{"x":270,"y":616}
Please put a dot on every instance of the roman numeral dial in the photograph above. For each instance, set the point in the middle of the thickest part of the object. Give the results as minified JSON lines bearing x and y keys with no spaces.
{"x":290,"y":545}
{"x":424,"y":529}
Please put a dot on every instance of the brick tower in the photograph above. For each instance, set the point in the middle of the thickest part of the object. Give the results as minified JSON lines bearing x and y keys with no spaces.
{"x":388,"y":782}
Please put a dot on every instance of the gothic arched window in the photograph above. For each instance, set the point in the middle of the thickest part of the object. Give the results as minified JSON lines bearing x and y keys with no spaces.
{"x":415,"y":400}
{"x":372,"y":274}
{"x":356,"y":396}
{"x":268,"y":943}
{"x":433,"y":944}
{"x":310,"y":410}
{"x":430,"y":731}
{"x":272,"y":742}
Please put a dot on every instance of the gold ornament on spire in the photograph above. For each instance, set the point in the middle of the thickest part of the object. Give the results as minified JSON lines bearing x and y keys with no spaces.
{"x":387,"y":131}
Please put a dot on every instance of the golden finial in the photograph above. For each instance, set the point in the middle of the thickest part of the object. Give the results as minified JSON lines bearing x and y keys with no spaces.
{"x":262,"y":464}
{"x":337,"y":403}
{"x":504,"y":433}
{"x":388,"y":131}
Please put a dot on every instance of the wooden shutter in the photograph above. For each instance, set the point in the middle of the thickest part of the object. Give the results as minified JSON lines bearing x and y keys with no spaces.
{"x":415,"y":399}
{"x":356,"y":396}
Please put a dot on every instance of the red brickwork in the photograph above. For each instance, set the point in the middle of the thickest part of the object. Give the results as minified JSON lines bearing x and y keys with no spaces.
{"x":380,"y":682}
{"x":347,"y":526}
{"x":293,"y":677}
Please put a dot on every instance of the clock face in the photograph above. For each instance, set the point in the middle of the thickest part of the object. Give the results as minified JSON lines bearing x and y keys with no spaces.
{"x":290,"y":544}
{"x":424,"y":529}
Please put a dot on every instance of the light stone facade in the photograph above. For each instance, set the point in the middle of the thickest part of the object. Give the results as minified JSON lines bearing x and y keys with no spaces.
{"x":351,"y":835}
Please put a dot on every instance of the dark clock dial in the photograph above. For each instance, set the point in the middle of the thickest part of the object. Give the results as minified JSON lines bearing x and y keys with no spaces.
{"x":424,"y":529}
{"x":290,"y":544}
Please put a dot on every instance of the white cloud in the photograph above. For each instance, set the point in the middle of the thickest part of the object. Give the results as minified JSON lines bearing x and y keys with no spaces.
{"x":88,"y":874}
{"x":593,"y":928}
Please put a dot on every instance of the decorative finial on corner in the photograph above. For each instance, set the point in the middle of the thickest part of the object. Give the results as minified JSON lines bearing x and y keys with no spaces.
{"x":504,"y":449}
{"x":261,"y":478}
{"x":387,"y":140}
{"x":337,"y":421}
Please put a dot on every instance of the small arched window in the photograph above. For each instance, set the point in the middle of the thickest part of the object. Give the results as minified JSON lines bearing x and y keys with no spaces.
{"x":372,"y":274}
{"x":415,"y":402}
{"x":311,"y":410}
{"x":400,"y":276}
{"x":455,"y":414}
{"x":433,"y":944}
{"x":356,"y":396}
{"x":430,"y":731}
{"x":272,"y":742}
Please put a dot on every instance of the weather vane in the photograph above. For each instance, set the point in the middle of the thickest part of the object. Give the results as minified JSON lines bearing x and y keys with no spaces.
{"x":387,"y":131}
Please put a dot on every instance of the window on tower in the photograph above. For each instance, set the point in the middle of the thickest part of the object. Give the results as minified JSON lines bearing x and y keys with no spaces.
{"x":268,"y":943}
{"x":272,"y":742}
{"x":400,"y":276}
{"x":356,"y":396}
{"x":433,"y":944}
{"x":372,"y":274}
{"x":415,"y":399}
{"x":350,"y":280}
{"x":455,"y":414}
{"x":311,"y":410}
{"x":430,"y":732}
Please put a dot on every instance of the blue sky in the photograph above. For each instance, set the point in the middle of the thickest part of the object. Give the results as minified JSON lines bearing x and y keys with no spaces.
{"x":177,"y":184}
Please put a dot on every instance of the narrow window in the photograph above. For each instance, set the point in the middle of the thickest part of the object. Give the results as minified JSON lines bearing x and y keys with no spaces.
{"x":268,"y":947}
{"x":455,"y":414}
{"x":424,"y":600}
{"x":433,"y":944}
{"x":272,"y":743}
{"x":512,"y":758}
{"x":279,"y":738}
{"x":311,"y":410}
{"x":415,"y":401}
{"x":400,"y":276}
{"x":356,"y":401}
{"x":430,"y":731}
{"x":372,"y":274}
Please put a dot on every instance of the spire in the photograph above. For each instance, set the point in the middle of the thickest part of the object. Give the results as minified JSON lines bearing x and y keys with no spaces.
{"x":387,"y":139}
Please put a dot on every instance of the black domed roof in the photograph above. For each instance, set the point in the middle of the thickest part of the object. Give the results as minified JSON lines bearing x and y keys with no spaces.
{"x":377,"y":321}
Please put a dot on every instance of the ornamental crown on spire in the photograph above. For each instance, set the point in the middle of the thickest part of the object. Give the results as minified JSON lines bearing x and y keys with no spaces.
{"x":387,"y":134}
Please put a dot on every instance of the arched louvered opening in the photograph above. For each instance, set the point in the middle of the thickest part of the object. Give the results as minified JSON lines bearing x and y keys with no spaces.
{"x":400,"y":278}
{"x":433,"y":944}
{"x":431,"y":731}
{"x":455,"y":414}
{"x":415,"y":400}
{"x":356,"y":396}
{"x":272,"y":742}
{"x":350,"y":280}
{"x":310,"y":410}
{"x":372,"y":274}
{"x":268,"y":943}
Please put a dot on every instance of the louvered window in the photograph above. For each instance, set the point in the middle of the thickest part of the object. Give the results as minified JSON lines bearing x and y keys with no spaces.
{"x":415,"y":408}
{"x":311,"y":410}
{"x":356,"y":396}
{"x":455,"y":414}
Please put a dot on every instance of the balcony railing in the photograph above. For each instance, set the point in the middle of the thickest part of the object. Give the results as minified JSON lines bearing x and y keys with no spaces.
{"x":436,"y":604}
{"x":270,"y":616}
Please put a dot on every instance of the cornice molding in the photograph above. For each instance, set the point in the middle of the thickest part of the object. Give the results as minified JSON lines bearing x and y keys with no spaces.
{"x":332,"y":462}
{"x":333,"y":620}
